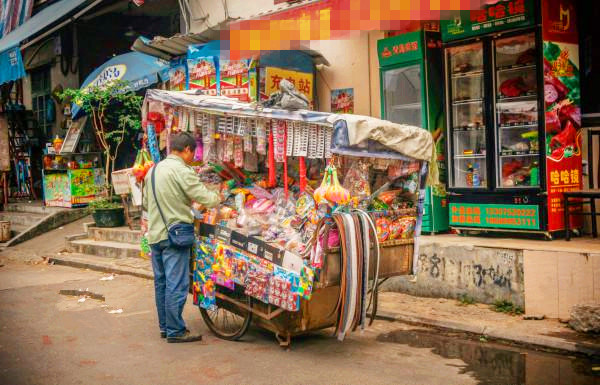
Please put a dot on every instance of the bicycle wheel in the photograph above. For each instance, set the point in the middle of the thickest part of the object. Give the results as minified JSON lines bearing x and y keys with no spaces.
{"x":229,"y":321}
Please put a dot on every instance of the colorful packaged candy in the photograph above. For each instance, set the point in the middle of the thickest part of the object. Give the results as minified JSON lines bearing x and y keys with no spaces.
{"x":382,"y":224}
{"x":395,"y":230}
{"x":406,"y":227}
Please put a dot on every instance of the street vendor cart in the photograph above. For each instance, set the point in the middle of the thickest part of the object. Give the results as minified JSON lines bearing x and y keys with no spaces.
{"x":321,"y":209}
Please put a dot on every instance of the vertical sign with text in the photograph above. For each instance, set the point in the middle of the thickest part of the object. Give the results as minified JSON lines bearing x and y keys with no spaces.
{"x":562,"y":107}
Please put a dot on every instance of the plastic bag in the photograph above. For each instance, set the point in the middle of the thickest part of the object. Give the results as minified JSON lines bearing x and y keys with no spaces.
{"x":143,"y":163}
{"x":356,"y":180}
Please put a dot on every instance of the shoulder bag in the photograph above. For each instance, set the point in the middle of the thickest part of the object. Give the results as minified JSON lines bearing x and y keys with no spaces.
{"x":180,"y":234}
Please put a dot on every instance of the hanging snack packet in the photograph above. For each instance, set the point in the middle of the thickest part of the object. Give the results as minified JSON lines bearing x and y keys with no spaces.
{"x":356,"y":180}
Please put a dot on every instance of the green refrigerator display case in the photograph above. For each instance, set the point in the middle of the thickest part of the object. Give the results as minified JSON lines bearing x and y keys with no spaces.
{"x":412,"y":87}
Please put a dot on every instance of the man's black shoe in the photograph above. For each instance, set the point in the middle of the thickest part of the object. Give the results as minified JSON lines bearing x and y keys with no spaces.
{"x":163,"y":334}
{"x":186,"y":337}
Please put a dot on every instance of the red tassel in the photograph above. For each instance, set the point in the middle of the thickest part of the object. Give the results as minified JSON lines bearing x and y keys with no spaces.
{"x":285,"y":162}
{"x":272,"y":177}
{"x":302,"y":172}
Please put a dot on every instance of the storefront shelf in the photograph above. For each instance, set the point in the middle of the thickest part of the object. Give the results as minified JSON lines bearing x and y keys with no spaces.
{"x":503,"y":99}
{"x":520,"y":125}
{"x":471,"y":101}
{"x":467,"y":74}
{"x":513,"y":154}
{"x":463,"y":129}
{"x":476,"y":156}
{"x":516,"y":67}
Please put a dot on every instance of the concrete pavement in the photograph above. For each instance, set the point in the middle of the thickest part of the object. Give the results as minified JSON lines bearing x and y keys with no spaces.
{"x":47,"y":338}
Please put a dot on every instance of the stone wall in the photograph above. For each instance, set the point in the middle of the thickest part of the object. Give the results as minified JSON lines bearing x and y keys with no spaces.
{"x":450,"y":271}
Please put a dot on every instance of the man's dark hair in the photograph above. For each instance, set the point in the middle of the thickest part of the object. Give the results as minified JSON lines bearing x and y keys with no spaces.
{"x":181,"y":140}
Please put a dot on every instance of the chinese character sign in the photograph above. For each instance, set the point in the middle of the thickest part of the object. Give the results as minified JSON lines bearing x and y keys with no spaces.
{"x":11,"y":65}
{"x":562,"y":108}
{"x":301,"y":80}
{"x":506,"y":216}
{"x":342,"y":101}
{"x":499,"y":15}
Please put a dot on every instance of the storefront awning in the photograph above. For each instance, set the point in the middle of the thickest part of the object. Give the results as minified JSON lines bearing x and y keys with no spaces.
{"x":138,"y":70}
{"x":10,"y":55}
{"x":177,"y":45}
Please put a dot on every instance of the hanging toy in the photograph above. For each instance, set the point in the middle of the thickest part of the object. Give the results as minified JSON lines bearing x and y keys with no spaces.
{"x":335,"y":193}
{"x":271,"y":155}
{"x":285,"y":166}
{"x":319,"y":194}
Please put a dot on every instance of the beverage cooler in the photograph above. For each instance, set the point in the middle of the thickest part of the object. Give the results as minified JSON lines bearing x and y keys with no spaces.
{"x":411,"y":74}
{"x":513,"y":123}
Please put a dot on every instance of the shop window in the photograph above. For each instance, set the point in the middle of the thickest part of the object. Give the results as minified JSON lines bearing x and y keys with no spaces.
{"x":40,"y":98}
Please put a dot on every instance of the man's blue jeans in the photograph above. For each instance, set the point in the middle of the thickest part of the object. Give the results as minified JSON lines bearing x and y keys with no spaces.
{"x":171,"y":267}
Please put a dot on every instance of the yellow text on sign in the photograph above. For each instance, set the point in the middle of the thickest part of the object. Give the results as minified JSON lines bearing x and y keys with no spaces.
{"x":301,"y":80}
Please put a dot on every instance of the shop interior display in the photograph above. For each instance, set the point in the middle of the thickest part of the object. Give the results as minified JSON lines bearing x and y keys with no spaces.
{"x":517,"y":112}
{"x":468,"y":121}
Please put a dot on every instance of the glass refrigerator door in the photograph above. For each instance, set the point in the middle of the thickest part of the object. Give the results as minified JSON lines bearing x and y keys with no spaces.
{"x":516,"y":112}
{"x":467,"y":120}
{"x":402,"y":92}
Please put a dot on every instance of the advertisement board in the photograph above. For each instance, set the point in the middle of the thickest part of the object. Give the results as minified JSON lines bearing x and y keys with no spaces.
{"x":562,"y":99}
{"x":495,"y":216}
{"x":400,"y":49}
{"x":501,"y":15}
{"x":303,"y":82}
{"x":203,"y":75}
{"x":342,"y":101}
{"x":234,"y":78}
{"x":57,"y":190}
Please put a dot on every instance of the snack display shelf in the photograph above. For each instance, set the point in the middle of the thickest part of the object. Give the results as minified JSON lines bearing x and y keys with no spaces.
{"x":474,"y":156}
{"x":467,"y":74}
{"x":515,"y":67}
{"x":532,"y":96}
{"x":471,"y":101}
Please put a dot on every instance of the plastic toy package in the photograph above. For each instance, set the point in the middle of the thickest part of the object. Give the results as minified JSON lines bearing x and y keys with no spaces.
{"x":203,"y":284}
{"x":257,"y":282}
{"x":280,"y":290}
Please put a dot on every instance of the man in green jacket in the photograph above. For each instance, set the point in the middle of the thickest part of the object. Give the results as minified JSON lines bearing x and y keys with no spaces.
{"x":177,"y":188}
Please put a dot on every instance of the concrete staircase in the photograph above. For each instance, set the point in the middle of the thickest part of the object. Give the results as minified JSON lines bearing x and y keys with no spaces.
{"x":115,"y":242}
{"x":111,"y":250}
{"x":30,"y":219}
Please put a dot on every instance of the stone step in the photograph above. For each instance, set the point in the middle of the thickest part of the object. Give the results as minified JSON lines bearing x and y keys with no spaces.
{"x":138,"y":267}
{"x":17,"y":229}
{"x":115,"y":234}
{"x":34,"y":208}
{"x":21,"y":218}
{"x":107,"y":249}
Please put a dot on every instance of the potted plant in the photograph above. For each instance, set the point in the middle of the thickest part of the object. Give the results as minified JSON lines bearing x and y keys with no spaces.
{"x":115,"y":112}
{"x":107,"y":212}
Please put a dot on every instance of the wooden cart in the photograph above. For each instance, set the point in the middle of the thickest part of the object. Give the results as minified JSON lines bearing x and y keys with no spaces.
{"x":236,"y":311}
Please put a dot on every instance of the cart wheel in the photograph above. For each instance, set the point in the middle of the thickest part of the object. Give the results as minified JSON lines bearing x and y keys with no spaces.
{"x":229,"y":321}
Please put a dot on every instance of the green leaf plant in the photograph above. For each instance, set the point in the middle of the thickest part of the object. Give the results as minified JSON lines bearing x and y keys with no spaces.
{"x":115,"y":113}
